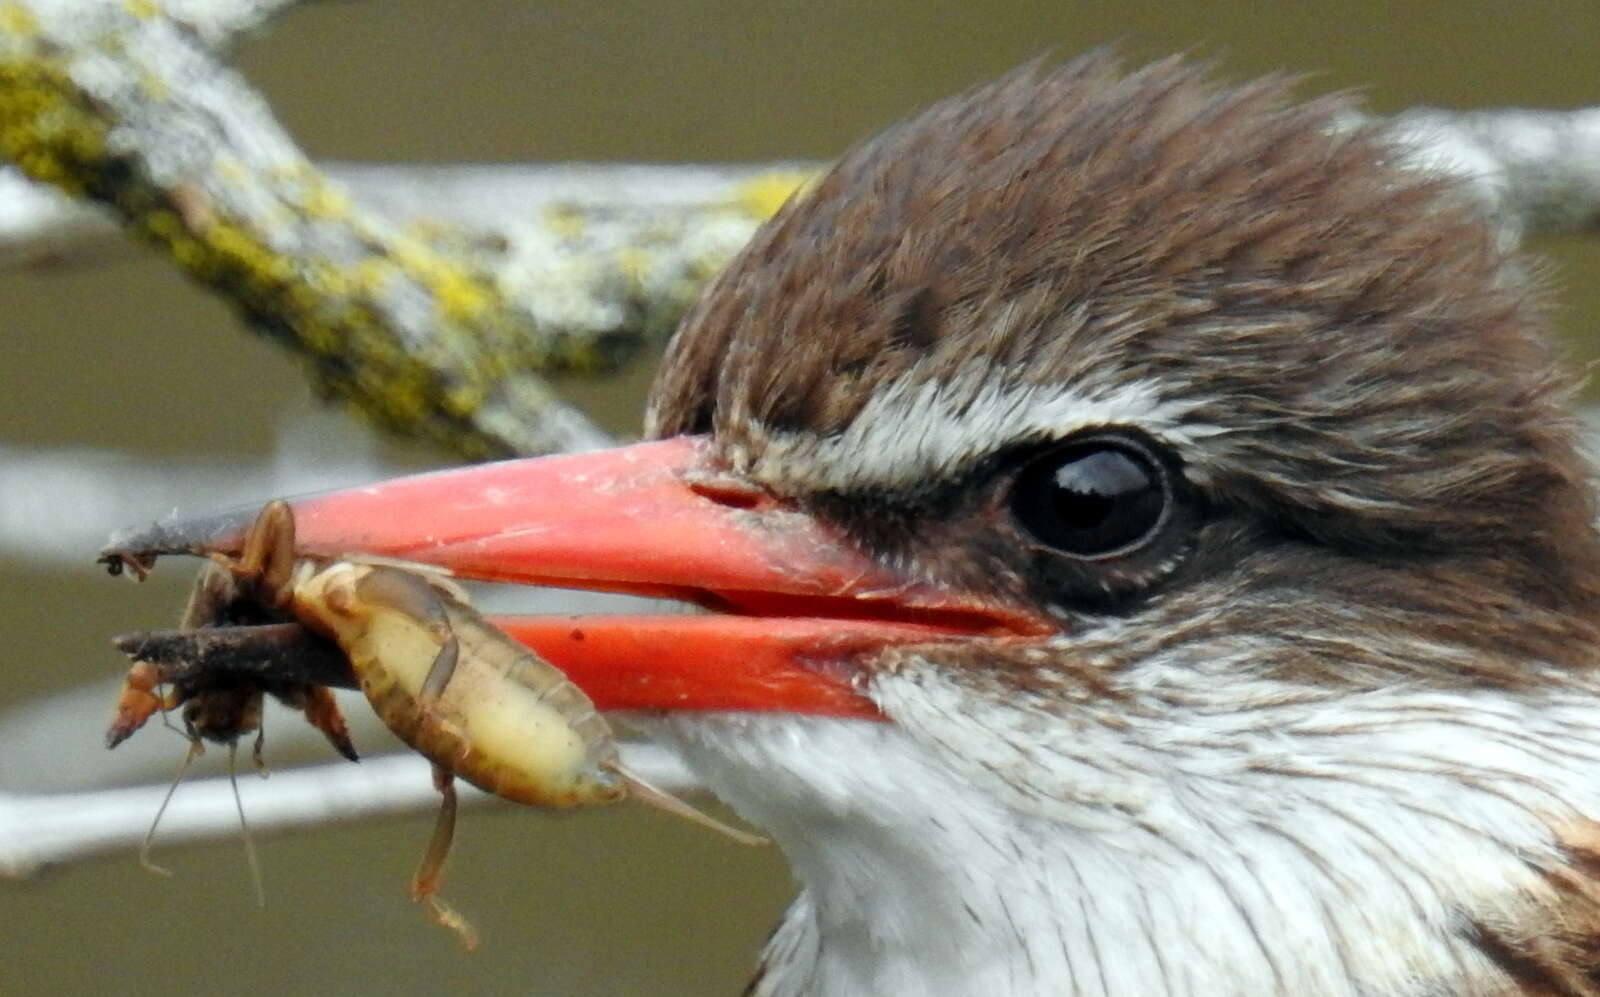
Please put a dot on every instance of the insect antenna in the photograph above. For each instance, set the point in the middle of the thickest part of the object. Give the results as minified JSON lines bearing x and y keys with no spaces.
{"x":244,"y":825}
{"x":644,"y":792}
{"x":195,"y":749}
{"x":166,"y":721}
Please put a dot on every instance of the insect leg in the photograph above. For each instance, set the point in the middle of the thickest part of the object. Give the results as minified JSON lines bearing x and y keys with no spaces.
{"x":255,"y":753}
{"x":210,"y":594}
{"x":411,"y":595}
{"x":322,"y":712}
{"x":444,"y":666}
{"x":267,"y":557}
{"x":429,"y":876}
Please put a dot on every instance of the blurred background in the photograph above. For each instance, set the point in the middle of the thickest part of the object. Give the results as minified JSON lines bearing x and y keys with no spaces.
{"x":126,"y":356}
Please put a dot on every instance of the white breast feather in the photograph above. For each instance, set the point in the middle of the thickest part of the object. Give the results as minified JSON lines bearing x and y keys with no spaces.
{"x":1305,"y":844}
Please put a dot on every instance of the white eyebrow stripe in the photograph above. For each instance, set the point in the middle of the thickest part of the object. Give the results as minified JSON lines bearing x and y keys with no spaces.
{"x":916,"y":430}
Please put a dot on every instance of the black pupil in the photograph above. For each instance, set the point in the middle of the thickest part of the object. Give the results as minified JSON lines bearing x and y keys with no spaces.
{"x":1090,"y":500}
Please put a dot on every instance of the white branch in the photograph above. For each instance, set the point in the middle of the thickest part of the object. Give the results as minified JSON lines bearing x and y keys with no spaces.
{"x":219,"y":23}
{"x":42,"y":830}
{"x":491,"y":204}
{"x":1535,"y":172}
{"x":40,"y":226}
{"x":58,"y":506}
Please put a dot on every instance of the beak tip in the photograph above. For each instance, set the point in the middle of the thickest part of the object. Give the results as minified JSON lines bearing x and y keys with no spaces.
{"x":135,"y":549}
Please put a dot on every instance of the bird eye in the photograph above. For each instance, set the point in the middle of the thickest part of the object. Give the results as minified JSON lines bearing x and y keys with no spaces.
{"x":1092,"y":499}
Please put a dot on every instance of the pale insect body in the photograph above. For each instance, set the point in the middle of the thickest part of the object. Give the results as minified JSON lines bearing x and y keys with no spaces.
{"x":458,"y":690}
{"x":449,"y":683}
{"x":468,"y":697}
{"x":463,"y":694}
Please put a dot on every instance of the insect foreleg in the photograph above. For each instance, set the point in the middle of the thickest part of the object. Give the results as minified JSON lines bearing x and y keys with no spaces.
{"x":322,"y":712}
{"x":267,"y":558}
{"x":213,"y":590}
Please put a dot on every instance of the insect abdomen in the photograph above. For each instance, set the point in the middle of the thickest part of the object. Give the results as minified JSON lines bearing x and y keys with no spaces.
{"x":507,"y":722}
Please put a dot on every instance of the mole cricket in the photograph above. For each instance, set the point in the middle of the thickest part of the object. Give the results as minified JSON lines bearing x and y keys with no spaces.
{"x":449,"y":683}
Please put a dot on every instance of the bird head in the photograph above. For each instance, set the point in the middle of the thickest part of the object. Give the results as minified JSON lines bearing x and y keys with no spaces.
{"x":1265,"y":423}
{"x":1195,"y":561}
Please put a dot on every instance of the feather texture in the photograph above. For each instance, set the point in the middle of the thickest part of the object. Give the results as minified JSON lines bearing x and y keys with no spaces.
{"x":1339,"y":735}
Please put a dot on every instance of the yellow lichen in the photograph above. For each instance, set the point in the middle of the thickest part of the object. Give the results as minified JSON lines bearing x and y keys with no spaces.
{"x":227,"y":167}
{"x":464,"y":398}
{"x":760,"y":197}
{"x":45,"y":128}
{"x":461,"y":293}
{"x":565,"y":221}
{"x":333,"y":312}
{"x":154,"y":87}
{"x":238,"y":253}
{"x":462,"y":297}
{"x":369,"y":277}
{"x":634,"y":264}
{"x":17,"y":20}
{"x":332,"y":282}
{"x":144,"y":10}
{"x":319,"y":339}
{"x":326,"y":201}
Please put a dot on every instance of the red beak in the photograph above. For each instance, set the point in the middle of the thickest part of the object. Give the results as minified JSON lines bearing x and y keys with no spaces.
{"x":794,"y":605}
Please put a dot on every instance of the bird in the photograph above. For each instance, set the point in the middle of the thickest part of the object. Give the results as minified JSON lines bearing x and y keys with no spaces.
{"x":1144,"y":547}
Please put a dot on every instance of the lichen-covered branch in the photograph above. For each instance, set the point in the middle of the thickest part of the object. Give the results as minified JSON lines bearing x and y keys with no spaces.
{"x":433,"y":330}
{"x":497,"y":208}
{"x":433,"y":300}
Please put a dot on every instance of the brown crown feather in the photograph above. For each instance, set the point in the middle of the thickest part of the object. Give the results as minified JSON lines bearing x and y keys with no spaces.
{"x":1365,"y":362}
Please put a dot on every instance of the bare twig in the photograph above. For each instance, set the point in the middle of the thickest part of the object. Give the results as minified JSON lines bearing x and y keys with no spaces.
{"x":1536,"y":172}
